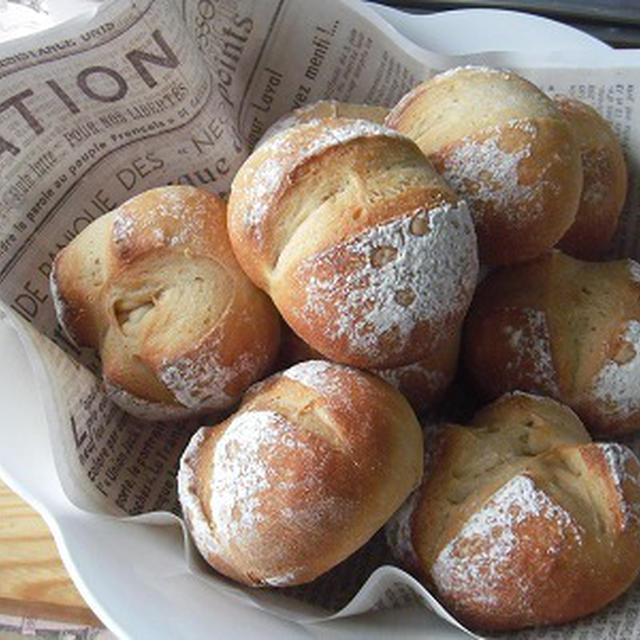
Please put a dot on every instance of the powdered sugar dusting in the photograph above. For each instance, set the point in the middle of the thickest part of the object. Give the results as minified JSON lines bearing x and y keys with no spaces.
{"x":249,"y":493}
{"x":283,"y":580}
{"x":325,"y":378}
{"x":171,"y":216}
{"x":483,"y":172}
{"x":189,"y":500}
{"x":596,"y":165}
{"x":240,"y":472}
{"x":123,"y":227}
{"x":634,"y":270}
{"x":476,"y":564}
{"x":392,"y":278}
{"x":298,"y":116}
{"x":432,"y":378}
{"x":285,"y":151}
{"x":201,"y":380}
{"x":619,"y":459}
{"x":617,"y":386}
{"x":311,"y":373}
{"x":285,"y":122}
{"x":475,"y":68}
{"x":253,"y":491}
{"x":398,"y":533}
{"x":264,"y":186}
{"x":143,"y":408}
{"x":531,"y":344}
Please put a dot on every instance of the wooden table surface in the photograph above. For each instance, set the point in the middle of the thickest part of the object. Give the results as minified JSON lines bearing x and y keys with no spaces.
{"x":33,"y":580}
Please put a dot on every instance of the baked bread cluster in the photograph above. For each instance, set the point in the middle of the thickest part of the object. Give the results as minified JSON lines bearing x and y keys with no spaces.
{"x":346,"y":265}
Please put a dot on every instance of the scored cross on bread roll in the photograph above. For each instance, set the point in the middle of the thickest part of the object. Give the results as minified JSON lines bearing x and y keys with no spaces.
{"x":309,"y":468}
{"x":521,"y":520}
{"x":365,"y":250}
{"x":563,"y":327}
{"x":503,"y":146}
{"x":154,"y":285}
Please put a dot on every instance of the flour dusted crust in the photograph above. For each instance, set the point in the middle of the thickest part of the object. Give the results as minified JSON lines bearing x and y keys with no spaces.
{"x":423,"y":383}
{"x":364,"y":249}
{"x":504,"y":147}
{"x":154,"y":285}
{"x":145,"y":409}
{"x":310,"y":467}
{"x":521,"y":521}
{"x":326,"y":109}
{"x":604,"y":184}
{"x":562,"y":327}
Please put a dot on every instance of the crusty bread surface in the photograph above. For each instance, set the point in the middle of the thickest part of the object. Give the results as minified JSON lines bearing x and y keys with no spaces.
{"x":521,"y":520}
{"x":565,"y":328}
{"x":155,"y":287}
{"x":367,"y":253}
{"x":313,"y":463}
{"x":604,"y":186}
{"x":506,"y":149}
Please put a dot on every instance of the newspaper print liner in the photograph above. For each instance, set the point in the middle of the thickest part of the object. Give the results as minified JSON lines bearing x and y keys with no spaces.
{"x":388,"y":582}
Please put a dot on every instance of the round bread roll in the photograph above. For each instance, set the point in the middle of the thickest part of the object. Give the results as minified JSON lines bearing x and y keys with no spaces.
{"x":604,"y":181}
{"x":504,"y":147}
{"x":521,"y":520}
{"x":364,"y":249}
{"x":314,"y":462}
{"x":326,"y":109}
{"x":155,"y":287}
{"x":565,"y":328}
{"x":422,"y":383}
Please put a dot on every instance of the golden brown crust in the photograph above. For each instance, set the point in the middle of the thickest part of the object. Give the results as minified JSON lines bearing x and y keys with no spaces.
{"x":154,"y":285}
{"x":423,"y":383}
{"x":364,"y":249}
{"x":604,"y":184}
{"x":562,"y":327}
{"x":502,"y":145}
{"x":310,"y":467}
{"x":521,"y":521}
{"x":82,"y":280}
{"x":326,"y":109}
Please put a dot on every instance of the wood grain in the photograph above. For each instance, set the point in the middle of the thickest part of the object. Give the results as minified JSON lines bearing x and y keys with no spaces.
{"x":33,"y":580}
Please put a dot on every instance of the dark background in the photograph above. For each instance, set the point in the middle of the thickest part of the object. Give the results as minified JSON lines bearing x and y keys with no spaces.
{"x":617,"y":22}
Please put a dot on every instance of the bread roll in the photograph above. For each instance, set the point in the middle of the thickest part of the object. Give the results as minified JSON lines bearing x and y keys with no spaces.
{"x":314,"y":462}
{"x":604,"y":181}
{"x":565,"y":328}
{"x":326,"y":109}
{"x":521,"y":520}
{"x":154,"y":285}
{"x":505,"y":148}
{"x":366,"y":252}
{"x":422,"y":383}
